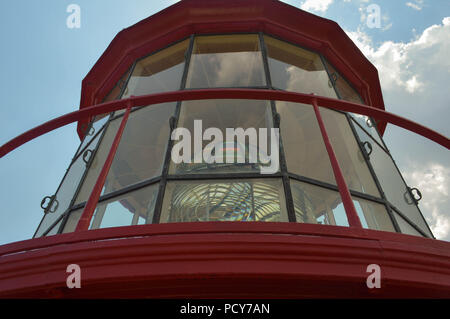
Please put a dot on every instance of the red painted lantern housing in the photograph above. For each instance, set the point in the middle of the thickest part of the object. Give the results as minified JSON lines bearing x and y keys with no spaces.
{"x":140,"y":224}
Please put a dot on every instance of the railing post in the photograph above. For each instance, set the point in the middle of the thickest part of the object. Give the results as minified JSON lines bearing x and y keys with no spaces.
{"x":88,"y":212}
{"x":352,"y":216}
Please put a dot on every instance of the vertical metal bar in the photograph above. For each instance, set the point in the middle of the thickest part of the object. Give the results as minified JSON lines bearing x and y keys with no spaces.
{"x":167,"y":160}
{"x":350,"y":210}
{"x":83,"y":223}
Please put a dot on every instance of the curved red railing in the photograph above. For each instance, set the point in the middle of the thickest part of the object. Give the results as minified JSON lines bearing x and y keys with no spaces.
{"x":207,"y":94}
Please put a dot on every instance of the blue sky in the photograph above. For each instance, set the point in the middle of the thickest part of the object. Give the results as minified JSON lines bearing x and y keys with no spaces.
{"x":43,"y":63}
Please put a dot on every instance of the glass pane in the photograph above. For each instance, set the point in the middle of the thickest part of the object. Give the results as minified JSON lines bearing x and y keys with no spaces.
{"x":365,"y":122}
{"x":373,"y":215}
{"x":347,"y":93}
{"x":317,"y":205}
{"x":135,"y":208}
{"x":67,"y":189}
{"x":98,"y":161}
{"x":303,"y":144}
{"x":405,"y":227}
{"x":295,"y":69}
{"x":93,"y":130}
{"x":72,"y":221}
{"x":114,"y":94}
{"x":351,"y":161}
{"x":159,"y":72}
{"x":393,"y":185}
{"x":142,"y":149}
{"x":224,"y":200}
{"x":226,"y":61}
{"x":237,"y":154}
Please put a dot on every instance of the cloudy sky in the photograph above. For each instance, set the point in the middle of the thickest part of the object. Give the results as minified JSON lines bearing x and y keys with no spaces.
{"x":43,"y":63}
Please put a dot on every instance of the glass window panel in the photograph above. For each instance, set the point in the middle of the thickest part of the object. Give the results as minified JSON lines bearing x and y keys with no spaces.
{"x":347,"y":93}
{"x":226,"y":61}
{"x":224,"y":200}
{"x":142,"y":149}
{"x":295,"y":69}
{"x":363,"y":121}
{"x":67,"y":189}
{"x":72,"y":221}
{"x":405,"y":227}
{"x":223,"y":114}
{"x":114,"y":94}
{"x":393,"y":185}
{"x":135,"y":208}
{"x":159,"y":72}
{"x":344,"y":89}
{"x":93,"y":130}
{"x":373,"y":215}
{"x":98,"y":161}
{"x":303,"y":144}
{"x":317,"y":205}
{"x":351,"y":161}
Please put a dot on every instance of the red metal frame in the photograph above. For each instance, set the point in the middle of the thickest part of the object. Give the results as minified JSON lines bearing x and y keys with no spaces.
{"x":206,"y":94}
{"x":352,"y":216}
{"x":271,"y":260}
{"x":88,"y":212}
{"x":189,"y":17}
{"x":257,"y":94}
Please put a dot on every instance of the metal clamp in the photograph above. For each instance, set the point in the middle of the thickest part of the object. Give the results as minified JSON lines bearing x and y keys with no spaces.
{"x":332,"y":80}
{"x":369,"y":146}
{"x":416,"y":196}
{"x":85,"y":155}
{"x":369,"y":122}
{"x":50,"y":208}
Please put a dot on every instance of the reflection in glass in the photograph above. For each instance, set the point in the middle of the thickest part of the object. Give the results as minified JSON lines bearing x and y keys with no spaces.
{"x":393,"y":186}
{"x":223,"y":114}
{"x":351,"y":161}
{"x":224,"y":200}
{"x":159,"y":72}
{"x":226,"y":61}
{"x":67,"y":189}
{"x":317,"y":205}
{"x":142,"y":148}
{"x":303,"y":144}
{"x":295,"y":69}
{"x":373,"y":215}
{"x":134,"y":208}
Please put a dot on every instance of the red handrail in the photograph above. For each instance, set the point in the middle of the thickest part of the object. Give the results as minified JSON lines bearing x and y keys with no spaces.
{"x":206,"y":94}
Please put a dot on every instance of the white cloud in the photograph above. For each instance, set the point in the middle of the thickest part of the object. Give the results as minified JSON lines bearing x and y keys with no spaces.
{"x":316,"y":5}
{"x":414,"y":79}
{"x":416,"y":5}
{"x":434,"y":182}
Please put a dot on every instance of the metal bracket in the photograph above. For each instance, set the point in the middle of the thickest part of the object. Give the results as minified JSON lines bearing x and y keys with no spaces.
{"x":85,"y":155}
{"x":369,"y":146}
{"x":415,"y":199}
{"x":50,"y":208}
{"x":332,"y":80}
